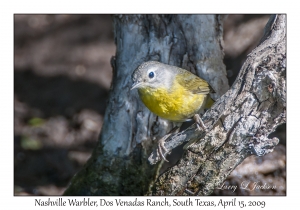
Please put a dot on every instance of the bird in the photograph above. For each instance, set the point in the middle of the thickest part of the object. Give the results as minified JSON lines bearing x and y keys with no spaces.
{"x":172,"y":93}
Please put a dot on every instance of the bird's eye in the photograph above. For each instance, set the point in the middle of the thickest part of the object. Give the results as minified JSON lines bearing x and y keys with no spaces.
{"x":151,"y":74}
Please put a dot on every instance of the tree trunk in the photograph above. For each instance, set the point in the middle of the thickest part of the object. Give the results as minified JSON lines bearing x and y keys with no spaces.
{"x":119,"y":164}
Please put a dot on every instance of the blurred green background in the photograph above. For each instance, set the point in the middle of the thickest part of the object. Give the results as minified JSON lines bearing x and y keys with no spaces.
{"x":62,"y":76}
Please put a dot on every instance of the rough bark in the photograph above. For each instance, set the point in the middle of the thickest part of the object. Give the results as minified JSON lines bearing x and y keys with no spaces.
{"x":119,"y":165}
{"x":239,"y":122}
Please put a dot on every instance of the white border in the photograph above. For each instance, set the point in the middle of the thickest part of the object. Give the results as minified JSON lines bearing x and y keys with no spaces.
{"x":129,"y":6}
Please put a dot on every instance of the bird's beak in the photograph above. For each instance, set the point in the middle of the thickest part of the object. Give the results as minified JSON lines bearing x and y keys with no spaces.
{"x":135,"y":85}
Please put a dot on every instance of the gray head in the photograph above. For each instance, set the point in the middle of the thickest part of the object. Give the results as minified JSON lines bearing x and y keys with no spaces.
{"x":151,"y":74}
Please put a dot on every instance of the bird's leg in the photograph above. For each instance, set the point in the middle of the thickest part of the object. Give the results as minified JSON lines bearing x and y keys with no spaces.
{"x":162,"y":147}
{"x":199,"y":121}
{"x":161,"y":143}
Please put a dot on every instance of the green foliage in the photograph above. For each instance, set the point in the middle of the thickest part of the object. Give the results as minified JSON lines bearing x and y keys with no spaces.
{"x":31,"y":144}
{"x":36,"y":121}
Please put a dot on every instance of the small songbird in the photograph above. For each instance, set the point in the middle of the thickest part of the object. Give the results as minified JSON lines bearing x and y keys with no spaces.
{"x":171,"y":93}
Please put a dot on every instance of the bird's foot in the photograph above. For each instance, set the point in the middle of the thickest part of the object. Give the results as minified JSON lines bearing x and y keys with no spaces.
{"x":200,"y":123}
{"x":162,"y":150}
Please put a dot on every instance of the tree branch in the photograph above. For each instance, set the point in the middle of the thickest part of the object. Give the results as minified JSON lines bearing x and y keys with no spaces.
{"x":239,"y":122}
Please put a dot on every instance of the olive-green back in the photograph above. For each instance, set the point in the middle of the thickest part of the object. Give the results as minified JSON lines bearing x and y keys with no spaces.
{"x":191,"y":82}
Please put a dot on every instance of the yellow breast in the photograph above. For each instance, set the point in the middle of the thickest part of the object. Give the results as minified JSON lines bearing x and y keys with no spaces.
{"x":176,"y":104}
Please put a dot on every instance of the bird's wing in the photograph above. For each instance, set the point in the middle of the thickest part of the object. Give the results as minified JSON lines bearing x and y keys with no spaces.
{"x":193,"y":83}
